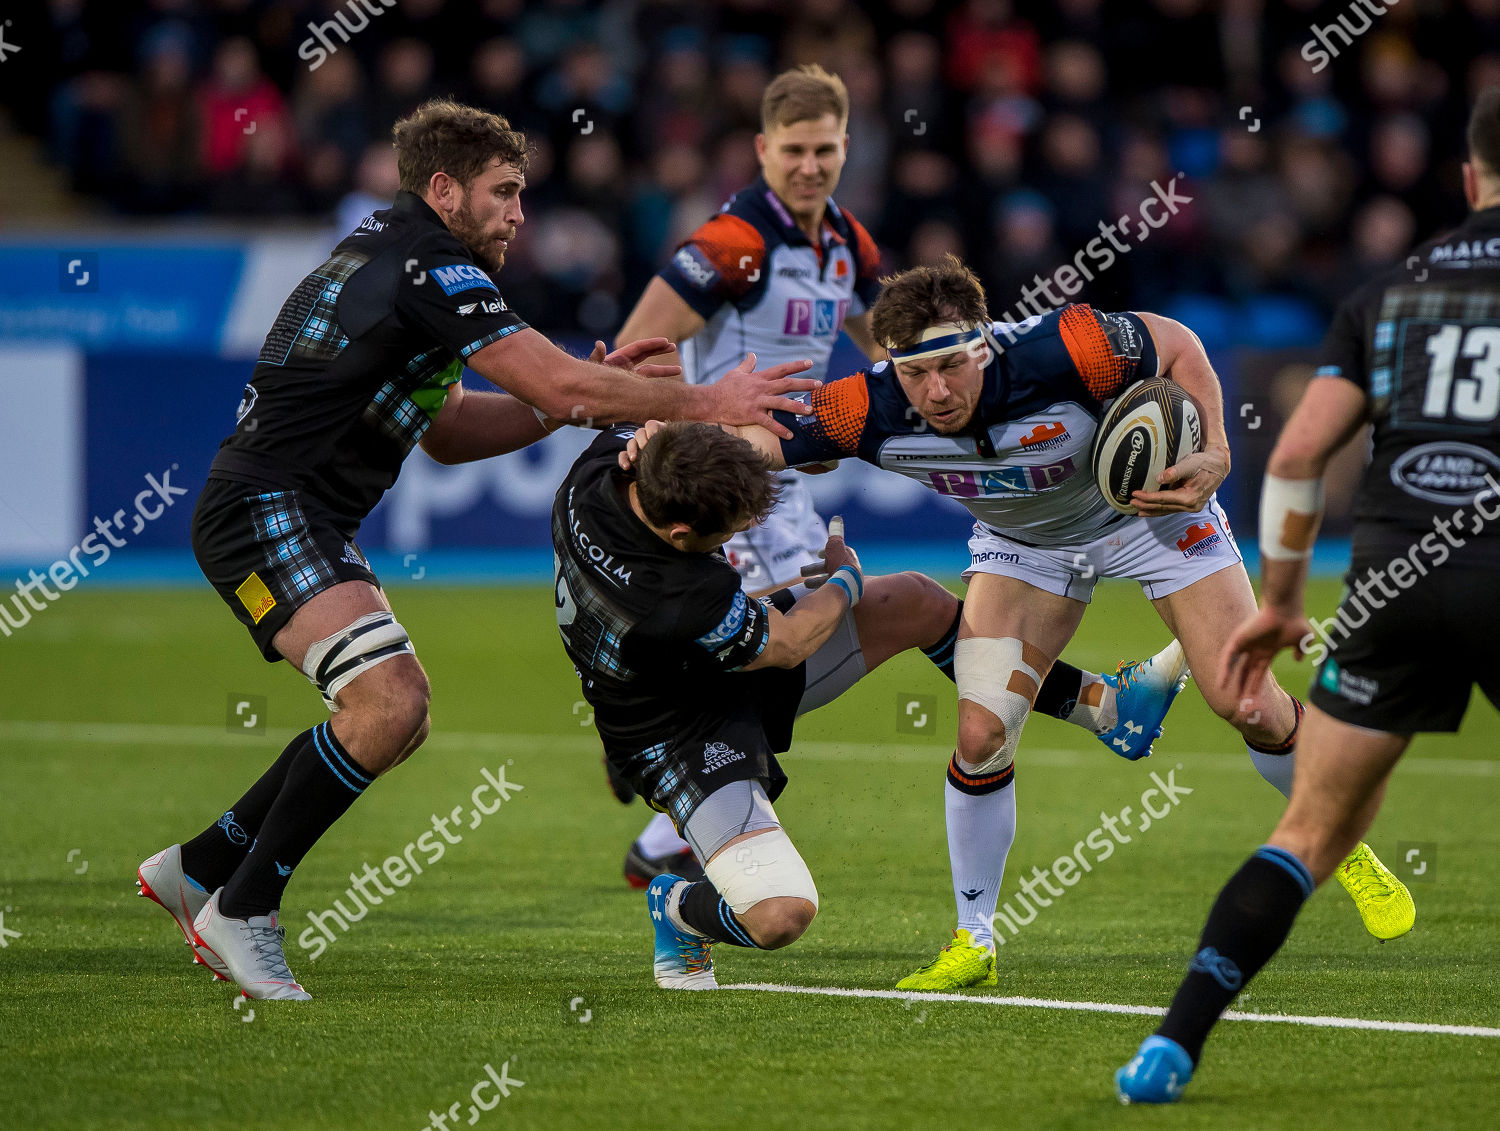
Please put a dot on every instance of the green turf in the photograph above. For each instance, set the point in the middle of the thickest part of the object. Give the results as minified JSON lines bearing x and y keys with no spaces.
{"x":105,"y":1023}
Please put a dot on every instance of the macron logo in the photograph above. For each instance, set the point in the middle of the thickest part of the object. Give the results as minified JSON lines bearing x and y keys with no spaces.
{"x":461,"y":277}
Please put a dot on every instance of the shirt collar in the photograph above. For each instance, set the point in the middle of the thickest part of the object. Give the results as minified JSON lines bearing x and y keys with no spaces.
{"x":414,"y":205}
{"x":766,"y":198}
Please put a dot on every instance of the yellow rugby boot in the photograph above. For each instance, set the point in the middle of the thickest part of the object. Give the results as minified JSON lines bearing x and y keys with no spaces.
{"x":963,"y":962}
{"x":1383,"y":901}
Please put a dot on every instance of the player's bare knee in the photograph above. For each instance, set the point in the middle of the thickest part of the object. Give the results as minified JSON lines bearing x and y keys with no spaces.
{"x":397,"y":696}
{"x":405,"y":710}
{"x":779,"y":921}
{"x":932,"y":605}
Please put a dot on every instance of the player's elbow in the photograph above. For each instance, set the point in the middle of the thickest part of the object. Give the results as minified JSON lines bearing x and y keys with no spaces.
{"x":1293,"y":460}
{"x":440,"y":452}
{"x":783,"y":651}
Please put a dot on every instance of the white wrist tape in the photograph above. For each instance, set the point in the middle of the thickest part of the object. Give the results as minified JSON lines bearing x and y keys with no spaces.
{"x":848,"y":579}
{"x":1290,"y":510}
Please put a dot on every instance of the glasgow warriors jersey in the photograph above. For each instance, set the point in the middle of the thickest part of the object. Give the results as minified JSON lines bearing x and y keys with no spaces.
{"x":1423,"y":342}
{"x":1022,"y":466}
{"x":360,"y":360}
{"x":655,"y":633}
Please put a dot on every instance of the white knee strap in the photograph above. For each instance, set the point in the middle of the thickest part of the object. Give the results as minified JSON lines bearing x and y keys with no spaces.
{"x":334,"y":662}
{"x":999,"y":674}
{"x":759,"y":867}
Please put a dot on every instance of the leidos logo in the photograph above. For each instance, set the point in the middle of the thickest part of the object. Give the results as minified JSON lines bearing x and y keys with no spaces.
{"x":489,"y":306}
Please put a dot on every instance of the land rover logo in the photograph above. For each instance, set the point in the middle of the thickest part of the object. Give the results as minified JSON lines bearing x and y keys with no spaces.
{"x":1445,"y":472}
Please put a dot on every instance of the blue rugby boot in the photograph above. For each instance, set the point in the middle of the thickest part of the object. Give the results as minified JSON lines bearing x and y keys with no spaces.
{"x":1144,"y":690}
{"x":1157,"y":1074}
{"x":682,"y":959}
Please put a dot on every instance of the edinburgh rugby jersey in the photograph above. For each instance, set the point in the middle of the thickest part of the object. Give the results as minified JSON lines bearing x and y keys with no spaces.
{"x":1022,"y":464}
{"x":655,"y":633}
{"x":1423,"y":341}
{"x":360,"y":360}
{"x":764,"y":287}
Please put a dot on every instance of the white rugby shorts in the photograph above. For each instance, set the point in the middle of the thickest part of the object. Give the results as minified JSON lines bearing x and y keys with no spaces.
{"x":1164,"y":554}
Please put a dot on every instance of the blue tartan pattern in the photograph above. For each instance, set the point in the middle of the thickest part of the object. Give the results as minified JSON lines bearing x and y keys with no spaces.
{"x":294,"y":565}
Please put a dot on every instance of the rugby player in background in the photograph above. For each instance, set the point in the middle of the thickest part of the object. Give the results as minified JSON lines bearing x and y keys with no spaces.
{"x":779,"y":270}
{"x":695,"y":683}
{"x":1416,"y":353}
{"x":361,"y":364}
{"x":1002,"y":416}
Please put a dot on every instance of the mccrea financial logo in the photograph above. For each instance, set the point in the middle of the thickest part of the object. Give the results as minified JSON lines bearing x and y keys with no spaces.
{"x":461,"y":277}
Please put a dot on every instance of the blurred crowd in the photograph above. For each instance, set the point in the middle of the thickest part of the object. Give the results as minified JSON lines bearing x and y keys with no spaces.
{"x":1315,"y":140}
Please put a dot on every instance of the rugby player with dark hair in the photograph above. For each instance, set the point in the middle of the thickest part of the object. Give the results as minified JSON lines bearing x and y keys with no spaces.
{"x":1416,"y":353}
{"x":361,"y":364}
{"x":695,"y":683}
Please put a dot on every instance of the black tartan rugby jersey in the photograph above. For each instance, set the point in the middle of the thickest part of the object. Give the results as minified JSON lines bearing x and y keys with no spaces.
{"x":1022,"y":466}
{"x":656,"y":634}
{"x":360,"y":360}
{"x":1423,"y":342}
{"x":762,"y":286}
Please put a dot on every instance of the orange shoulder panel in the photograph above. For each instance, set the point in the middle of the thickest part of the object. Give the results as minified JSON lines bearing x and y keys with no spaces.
{"x":733,"y":246}
{"x":841,"y":408}
{"x":1102,"y":371}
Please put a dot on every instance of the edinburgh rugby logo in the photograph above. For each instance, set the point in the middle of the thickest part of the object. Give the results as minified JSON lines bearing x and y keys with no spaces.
{"x":1044,"y":436}
{"x":1201,"y":538}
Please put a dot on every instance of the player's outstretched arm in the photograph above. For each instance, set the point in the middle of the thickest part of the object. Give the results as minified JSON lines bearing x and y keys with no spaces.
{"x":473,"y":426}
{"x":661,"y":313}
{"x":1187,"y":486}
{"x":798,"y":634}
{"x":527,"y":365}
{"x":1331,"y":411}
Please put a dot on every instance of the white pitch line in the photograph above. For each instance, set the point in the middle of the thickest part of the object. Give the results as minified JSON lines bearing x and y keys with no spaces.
{"x":927,"y":751}
{"x":1111,"y":1007}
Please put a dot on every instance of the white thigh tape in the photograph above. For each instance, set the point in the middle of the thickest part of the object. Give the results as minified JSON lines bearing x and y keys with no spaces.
{"x":760,"y":867}
{"x":333,"y":663}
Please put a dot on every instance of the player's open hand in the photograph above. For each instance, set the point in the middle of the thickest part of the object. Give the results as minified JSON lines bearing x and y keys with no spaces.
{"x":1186,"y":486}
{"x":1247,"y":657}
{"x":637,"y":443}
{"x":632,"y":355}
{"x":745,"y":395}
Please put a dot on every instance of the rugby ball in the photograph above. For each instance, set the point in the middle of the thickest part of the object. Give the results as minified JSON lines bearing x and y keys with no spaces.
{"x":1148,"y":427}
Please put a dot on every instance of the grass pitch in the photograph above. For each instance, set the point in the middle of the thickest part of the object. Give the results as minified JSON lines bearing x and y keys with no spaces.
{"x":522,"y":950}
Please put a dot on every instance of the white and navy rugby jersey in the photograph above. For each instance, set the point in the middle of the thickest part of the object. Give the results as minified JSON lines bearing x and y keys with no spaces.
{"x":762,"y":286}
{"x":1022,"y":465}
